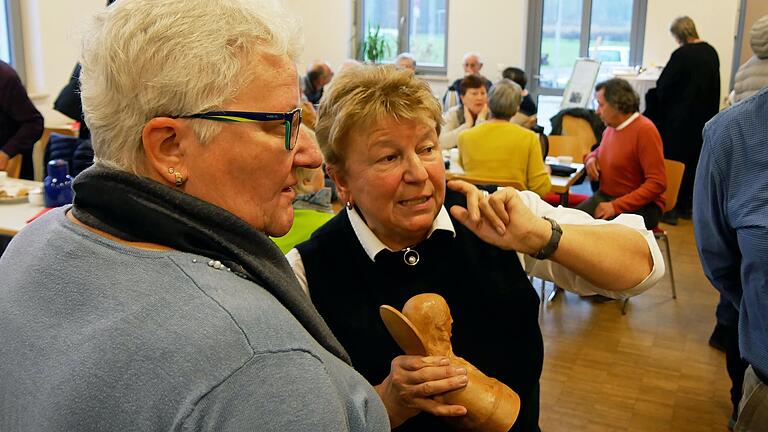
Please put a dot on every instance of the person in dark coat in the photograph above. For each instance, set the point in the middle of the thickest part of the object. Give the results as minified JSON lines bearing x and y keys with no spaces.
{"x":688,"y":92}
{"x":21,"y":124}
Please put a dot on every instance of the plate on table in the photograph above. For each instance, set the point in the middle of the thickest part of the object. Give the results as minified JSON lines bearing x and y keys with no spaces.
{"x":11,"y":195}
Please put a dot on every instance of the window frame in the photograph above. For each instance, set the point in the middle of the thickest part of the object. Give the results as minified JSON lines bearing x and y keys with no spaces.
{"x":534,"y":39}
{"x":403,"y":32}
{"x":15,"y":36}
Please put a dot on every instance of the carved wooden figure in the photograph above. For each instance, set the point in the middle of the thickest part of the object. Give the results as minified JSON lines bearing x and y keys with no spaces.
{"x":424,"y":328}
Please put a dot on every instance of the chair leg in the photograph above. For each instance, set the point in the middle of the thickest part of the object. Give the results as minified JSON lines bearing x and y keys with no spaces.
{"x":555,"y":291}
{"x":624,"y":306}
{"x":669,"y":265}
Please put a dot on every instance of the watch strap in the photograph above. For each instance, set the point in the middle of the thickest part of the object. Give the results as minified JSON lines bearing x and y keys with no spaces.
{"x":554,"y":240}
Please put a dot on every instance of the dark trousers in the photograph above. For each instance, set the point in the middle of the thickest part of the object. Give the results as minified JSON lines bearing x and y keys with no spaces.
{"x":651,"y":213}
{"x":685,"y":194}
{"x":728,"y":328}
{"x":4,"y":240}
{"x":735,"y":365}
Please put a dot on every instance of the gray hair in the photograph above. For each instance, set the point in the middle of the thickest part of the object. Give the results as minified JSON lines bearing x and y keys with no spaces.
{"x":471,"y":54}
{"x":145,"y":58}
{"x":683,"y":29}
{"x":504,"y":99}
{"x":406,"y":56}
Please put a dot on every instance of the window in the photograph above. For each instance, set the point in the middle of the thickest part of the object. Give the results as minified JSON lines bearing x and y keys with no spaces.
{"x":415,"y":26}
{"x":610,"y":31}
{"x":5,"y":36}
{"x":10,"y":36}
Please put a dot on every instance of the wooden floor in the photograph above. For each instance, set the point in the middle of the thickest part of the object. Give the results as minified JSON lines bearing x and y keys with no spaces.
{"x":649,"y":370}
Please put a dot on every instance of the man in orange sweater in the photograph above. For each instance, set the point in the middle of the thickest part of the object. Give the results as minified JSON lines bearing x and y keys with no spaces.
{"x":629,"y":163}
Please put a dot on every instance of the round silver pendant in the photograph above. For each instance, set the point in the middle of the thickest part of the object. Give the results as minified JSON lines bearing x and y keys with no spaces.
{"x":411,"y":257}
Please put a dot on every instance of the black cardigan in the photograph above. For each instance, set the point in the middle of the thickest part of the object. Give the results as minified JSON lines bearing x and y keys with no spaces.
{"x":494,"y":306}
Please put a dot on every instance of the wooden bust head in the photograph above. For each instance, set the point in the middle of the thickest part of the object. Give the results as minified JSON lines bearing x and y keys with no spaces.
{"x":424,"y":328}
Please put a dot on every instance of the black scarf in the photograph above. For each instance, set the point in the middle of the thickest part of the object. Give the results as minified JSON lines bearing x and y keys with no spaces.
{"x":134,"y":208}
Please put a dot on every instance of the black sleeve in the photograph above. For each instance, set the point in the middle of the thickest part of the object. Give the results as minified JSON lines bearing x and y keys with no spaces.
{"x":15,"y":103}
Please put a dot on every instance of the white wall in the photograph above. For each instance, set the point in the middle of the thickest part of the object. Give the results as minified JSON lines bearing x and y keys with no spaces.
{"x":327,"y":30}
{"x":496,"y":29}
{"x":716,"y":22}
{"x":51,"y":47}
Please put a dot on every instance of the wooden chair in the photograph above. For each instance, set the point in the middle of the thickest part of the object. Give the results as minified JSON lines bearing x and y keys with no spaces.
{"x":450,"y":100}
{"x":675,"y":171}
{"x":579,"y":128}
{"x":523,"y":120}
{"x":562,"y":145}
{"x":476,"y":180}
{"x":14,"y":166}
{"x":39,"y":151}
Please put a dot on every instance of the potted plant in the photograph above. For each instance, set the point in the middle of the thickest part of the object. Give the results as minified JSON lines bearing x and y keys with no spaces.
{"x":375,"y":45}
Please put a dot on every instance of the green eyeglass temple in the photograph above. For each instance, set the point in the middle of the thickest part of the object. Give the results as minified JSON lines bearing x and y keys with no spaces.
{"x":292,"y":121}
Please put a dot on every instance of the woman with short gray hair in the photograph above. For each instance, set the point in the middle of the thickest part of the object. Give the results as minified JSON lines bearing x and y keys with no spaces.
{"x":498,"y":149}
{"x":504,"y":99}
{"x":157,"y":301}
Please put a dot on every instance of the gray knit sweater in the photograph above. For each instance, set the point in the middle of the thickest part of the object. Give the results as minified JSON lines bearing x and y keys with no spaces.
{"x":97,"y":336}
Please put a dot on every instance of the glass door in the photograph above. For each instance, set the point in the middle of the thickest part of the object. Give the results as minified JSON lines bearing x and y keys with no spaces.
{"x":562,"y":31}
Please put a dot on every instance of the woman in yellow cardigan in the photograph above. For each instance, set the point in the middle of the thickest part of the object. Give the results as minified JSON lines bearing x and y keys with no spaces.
{"x":498,"y":149}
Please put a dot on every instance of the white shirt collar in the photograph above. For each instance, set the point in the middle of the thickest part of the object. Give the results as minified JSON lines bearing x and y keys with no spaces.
{"x":373,"y":245}
{"x":628,"y":121}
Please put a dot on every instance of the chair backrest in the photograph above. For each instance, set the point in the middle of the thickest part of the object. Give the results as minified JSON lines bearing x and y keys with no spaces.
{"x":450,"y":100}
{"x":580,"y":128}
{"x":38,"y":154}
{"x":561,"y":145}
{"x":544,"y":143}
{"x":489,"y":181}
{"x":675,"y":171}
{"x":13,"y":168}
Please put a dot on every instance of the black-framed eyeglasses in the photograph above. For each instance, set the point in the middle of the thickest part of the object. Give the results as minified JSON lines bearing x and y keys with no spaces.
{"x":291,"y":120}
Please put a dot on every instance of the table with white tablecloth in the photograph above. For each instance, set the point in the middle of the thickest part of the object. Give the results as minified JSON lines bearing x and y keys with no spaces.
{"x":642,"y":83}
{"x":14,"y":215}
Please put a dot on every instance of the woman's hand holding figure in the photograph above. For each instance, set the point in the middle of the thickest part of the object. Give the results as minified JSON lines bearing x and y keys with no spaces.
{"x":414,"y":380}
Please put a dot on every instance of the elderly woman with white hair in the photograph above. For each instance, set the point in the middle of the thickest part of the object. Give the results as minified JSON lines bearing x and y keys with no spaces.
{"x":378,"y":129}
{"x":157,"y":301}
{"x":501,"y":150}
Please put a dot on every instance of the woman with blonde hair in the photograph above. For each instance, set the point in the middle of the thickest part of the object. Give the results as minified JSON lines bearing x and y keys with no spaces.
{"x":378,"y":129}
